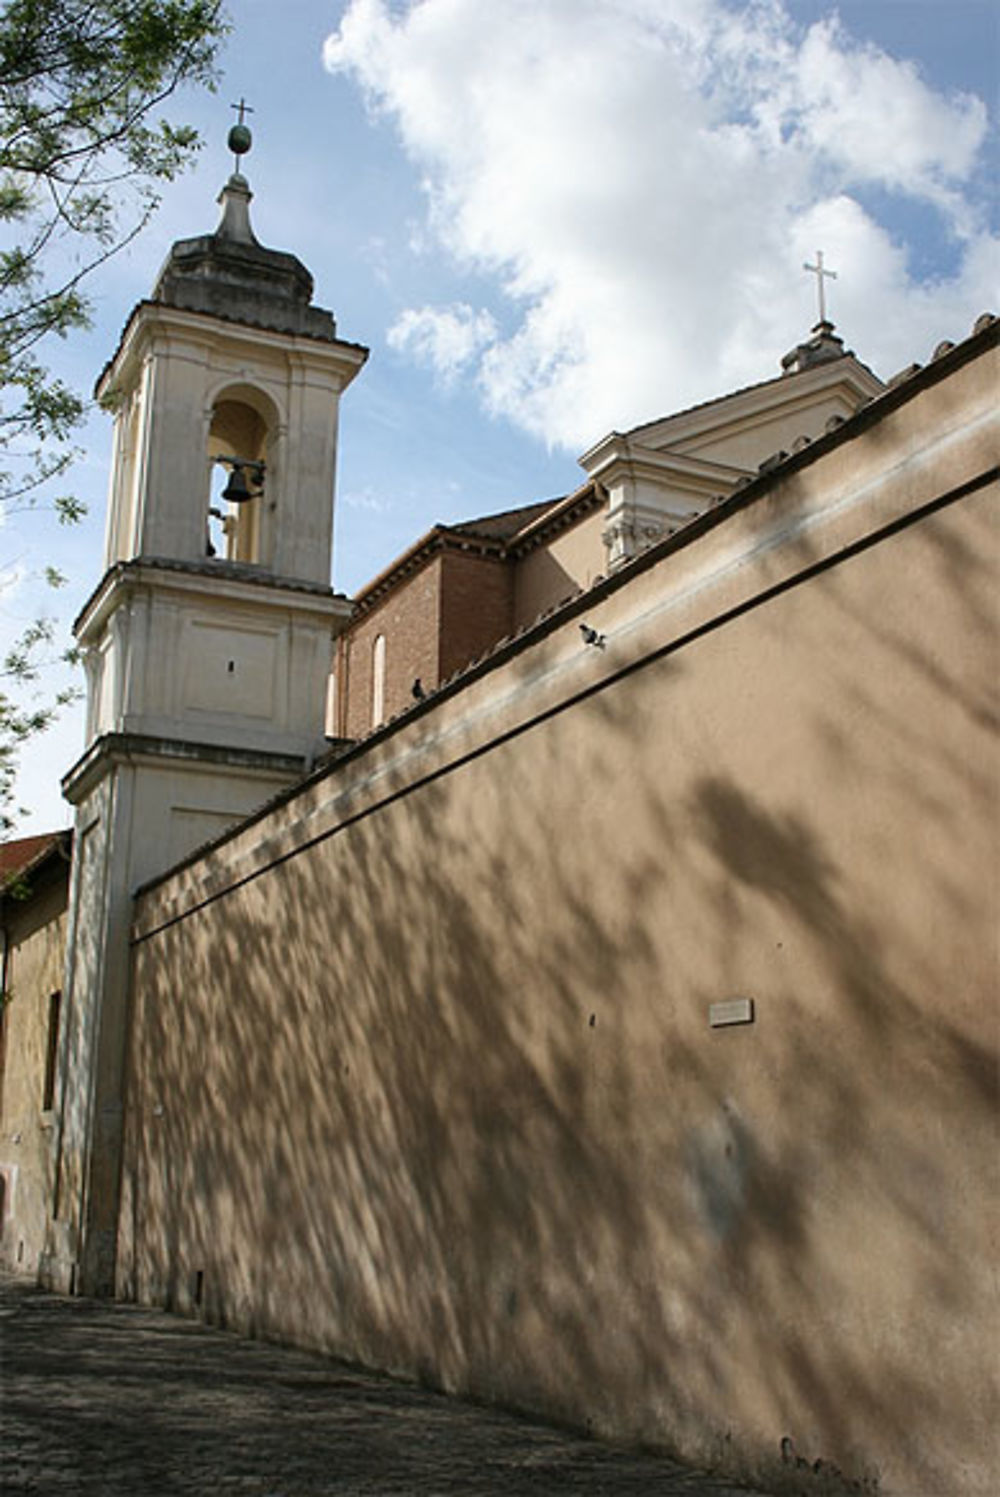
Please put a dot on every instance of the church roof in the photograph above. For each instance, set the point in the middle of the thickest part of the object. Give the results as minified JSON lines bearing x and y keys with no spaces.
{"x":507,"y":523}
{"x":500,"y":534}
{"x":793,"y":364}
{"x":231,"y":274}
{"x":946,"y":358}
{"x":231,"y":277}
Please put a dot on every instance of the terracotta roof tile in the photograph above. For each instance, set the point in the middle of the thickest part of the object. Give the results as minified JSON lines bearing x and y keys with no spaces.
{"x":24,"y":853}
{"x":506,"y":524}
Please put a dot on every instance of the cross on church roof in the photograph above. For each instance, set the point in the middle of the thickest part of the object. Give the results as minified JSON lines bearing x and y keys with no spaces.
{"x":820,"y":271}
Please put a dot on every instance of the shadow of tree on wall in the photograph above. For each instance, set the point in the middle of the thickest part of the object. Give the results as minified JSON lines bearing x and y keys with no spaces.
{"x":440,"y":1093}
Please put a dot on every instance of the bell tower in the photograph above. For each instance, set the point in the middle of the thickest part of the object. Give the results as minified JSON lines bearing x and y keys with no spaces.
{"x":207,"y":643}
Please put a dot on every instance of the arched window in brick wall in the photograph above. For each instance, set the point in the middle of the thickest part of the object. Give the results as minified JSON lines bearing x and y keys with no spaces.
{"x":378,"y":680}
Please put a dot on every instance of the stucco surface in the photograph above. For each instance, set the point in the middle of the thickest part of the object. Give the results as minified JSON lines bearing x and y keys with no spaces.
{"x":430,"y":1081}
{"x":35,"y":929}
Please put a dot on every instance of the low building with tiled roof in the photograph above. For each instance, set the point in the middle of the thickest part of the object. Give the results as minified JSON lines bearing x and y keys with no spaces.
{"x":19,"y":855}
{"x":34,"y":891}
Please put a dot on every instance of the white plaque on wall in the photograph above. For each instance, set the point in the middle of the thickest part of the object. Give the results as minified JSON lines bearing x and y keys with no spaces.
{"x":732,"y":1011}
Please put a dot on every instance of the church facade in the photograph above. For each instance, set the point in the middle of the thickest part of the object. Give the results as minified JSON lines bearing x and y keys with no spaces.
{"x":604,"y":1024}
{"x":460,"y":589}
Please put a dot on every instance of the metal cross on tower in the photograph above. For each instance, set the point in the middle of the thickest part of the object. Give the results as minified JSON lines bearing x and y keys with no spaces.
{"x":820,"y":271}
{"x":240,"y":139}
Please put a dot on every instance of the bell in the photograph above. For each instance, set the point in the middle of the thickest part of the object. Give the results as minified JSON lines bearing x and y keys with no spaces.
{"x":236,"y":490}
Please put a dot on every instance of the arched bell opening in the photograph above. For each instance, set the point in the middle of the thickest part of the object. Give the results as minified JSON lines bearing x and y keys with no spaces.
{"x":241,"y":493}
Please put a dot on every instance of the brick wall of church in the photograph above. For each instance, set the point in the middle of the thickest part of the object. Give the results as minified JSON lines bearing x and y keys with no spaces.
{"x":450,"y":612}
{"x":476,"y":595}
{"x":408,"y":620}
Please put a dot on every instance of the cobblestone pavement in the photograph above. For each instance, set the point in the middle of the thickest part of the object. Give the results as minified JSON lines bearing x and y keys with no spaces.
{"x":109,"y":1400}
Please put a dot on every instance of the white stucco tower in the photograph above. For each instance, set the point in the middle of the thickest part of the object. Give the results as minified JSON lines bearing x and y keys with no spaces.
{"x":207,"y":643}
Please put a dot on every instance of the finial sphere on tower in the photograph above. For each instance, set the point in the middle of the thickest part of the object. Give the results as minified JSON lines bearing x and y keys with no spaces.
{"x":239,"y":140}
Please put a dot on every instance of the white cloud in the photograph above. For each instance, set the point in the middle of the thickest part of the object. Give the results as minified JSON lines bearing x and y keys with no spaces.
{"x":446,"y":338}
{"x":873,"y":116}
{"x":642,"y":179}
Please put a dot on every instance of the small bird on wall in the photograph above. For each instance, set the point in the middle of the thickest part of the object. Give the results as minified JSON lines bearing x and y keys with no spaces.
{"x":591,"y":637}
{"x":417,"y":690}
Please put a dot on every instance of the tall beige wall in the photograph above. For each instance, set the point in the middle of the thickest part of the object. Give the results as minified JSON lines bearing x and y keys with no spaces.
{"x":35,"y":932}
{"x":422,"y":1066}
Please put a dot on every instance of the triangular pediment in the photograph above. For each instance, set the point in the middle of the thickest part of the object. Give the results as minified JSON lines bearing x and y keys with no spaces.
{"x":735,"y":429}
{"x":664,"y":471}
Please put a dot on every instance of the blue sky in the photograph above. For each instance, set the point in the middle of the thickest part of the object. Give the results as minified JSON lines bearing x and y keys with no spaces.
{"x":548,"y":218}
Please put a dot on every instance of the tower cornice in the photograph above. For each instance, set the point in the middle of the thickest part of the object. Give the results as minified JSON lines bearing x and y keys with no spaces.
{"x":211,"y":580}
{"x":112,"y":750}
{"x":148,"y":318}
